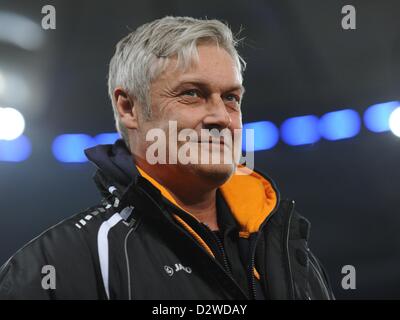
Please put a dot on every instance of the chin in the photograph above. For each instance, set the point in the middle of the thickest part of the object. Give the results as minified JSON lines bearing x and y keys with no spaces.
{"x":214,"y":170}
{"x":217,"y":174}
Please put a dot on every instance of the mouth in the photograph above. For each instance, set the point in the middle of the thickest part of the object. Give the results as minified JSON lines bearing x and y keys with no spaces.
{"x":211,"y":141}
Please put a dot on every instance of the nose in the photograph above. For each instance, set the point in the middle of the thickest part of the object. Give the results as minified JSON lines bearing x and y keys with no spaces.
{"x":217,"y":117}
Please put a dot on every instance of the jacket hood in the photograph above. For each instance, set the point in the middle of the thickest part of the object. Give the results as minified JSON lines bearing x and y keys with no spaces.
{"x":251,"y":196}
{"x":115,"y":167}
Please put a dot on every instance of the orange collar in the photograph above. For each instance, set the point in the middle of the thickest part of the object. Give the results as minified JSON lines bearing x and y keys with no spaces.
{"x":250,"y":197}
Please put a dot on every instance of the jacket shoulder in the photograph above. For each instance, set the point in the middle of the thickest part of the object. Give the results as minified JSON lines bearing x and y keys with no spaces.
{"x":65,"y":250}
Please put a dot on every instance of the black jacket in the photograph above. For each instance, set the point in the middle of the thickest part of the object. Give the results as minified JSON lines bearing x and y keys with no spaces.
{"x":133,"y":247}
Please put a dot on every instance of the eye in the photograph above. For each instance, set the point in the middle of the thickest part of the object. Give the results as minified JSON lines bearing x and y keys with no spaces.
{"x":232,"y":97}
{"x":192,"y":93}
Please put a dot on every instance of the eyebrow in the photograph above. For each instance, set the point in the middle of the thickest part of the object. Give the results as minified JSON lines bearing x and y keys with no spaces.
{"x":204,"y":85}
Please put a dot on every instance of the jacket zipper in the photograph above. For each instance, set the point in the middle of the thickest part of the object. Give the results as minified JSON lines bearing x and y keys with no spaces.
{"x":252,"y":281}
{"x":199,"y":246}
{"x":221,"y":249}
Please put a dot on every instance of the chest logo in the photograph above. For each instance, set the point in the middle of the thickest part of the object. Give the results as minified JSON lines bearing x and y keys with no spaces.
{"x":176,"y":268}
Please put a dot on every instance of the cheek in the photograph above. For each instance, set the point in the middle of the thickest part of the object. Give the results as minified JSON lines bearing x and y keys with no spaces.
{"x":236,"y":118}
{"x":168,"y":109}
{"x":161,"y":108}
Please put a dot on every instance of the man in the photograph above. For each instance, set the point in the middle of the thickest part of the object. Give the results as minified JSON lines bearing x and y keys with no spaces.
{"x":183,"y":228}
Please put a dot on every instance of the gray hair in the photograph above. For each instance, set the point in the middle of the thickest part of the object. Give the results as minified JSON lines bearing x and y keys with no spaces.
{"x":141,"y":56}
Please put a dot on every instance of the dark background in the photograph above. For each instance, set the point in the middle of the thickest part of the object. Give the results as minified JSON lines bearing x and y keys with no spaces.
{"x":300,"y":61}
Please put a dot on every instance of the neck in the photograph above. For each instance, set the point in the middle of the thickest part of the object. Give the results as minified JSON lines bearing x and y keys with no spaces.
{"x":202,"y":206}
{"x":189,"y":193}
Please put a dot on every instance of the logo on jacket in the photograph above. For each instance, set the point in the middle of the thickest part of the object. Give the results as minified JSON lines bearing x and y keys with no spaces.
{"x":177,"y":267}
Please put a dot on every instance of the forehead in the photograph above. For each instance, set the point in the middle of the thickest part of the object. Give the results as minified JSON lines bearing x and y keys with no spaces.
{"x":214,"y":66}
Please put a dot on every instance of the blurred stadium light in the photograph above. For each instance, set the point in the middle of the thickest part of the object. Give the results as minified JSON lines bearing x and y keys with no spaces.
{"x":266,"y":135}
{"x":106,"y":138}
{"x":16,"y":150}
{"x":337,"y":125}
{"x":20,"y":31}
{"x":376,"y":117}
{"x":300,"y":130}
{"x":12,"y":123}
{"x":70,"y":147}
{"x":23,"y":33}
{"x":394,"y":122}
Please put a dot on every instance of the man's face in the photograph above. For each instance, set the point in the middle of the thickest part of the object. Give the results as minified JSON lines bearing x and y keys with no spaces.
{"x":206,"y":96}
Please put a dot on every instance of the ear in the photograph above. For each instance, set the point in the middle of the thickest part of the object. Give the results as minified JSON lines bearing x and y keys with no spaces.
{"x":126,"y":108}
